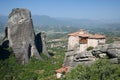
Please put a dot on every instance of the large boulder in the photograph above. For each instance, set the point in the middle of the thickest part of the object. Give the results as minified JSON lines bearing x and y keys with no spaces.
{"x":40,"y":39}
{"x":113,"y":50}
{"x":73,"y":58}
{"x":21,"y":35}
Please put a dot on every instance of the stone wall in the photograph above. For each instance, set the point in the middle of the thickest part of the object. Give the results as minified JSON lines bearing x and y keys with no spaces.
{"x":101,"y":41}
{"x":92,"y":42}
{"x":73,"y":42}
{"x":83,"y":47}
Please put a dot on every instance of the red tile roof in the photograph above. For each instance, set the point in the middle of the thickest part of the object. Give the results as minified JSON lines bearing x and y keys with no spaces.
{"x":63,"y":69}
{"x":78,"y":34}
{"x":82,"y":33}
{"x":97,"y":36}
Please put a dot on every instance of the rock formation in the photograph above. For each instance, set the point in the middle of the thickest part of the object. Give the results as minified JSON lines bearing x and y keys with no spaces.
{"x":40,"y":40}
{"x":73,"y":58}
{"x":21,"y":35}
{"x":109,"y":51}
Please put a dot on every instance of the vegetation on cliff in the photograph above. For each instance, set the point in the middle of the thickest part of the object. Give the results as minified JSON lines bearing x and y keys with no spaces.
{"x":101,"y":70}
{"x":45,"y":70}
{"x":35,"y":70}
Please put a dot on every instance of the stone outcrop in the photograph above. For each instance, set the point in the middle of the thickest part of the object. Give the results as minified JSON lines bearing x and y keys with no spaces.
{"x":113,"y":50}
{"x":21,"y":35}
{"x":73,"y":58}
{"x":109,"y":51}
{"x":40,"y":40}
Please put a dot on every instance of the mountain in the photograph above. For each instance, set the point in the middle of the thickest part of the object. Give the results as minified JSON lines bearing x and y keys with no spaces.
{"x":47,"y":23}
{"x":44,"y":20}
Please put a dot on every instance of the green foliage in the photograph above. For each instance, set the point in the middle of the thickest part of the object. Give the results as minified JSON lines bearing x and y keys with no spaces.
{"x":101,"y":70}
{"x":35,"y":70}
{"x":9,"y":69}
{"x":45,"y":70}
{"x":89,"y":48}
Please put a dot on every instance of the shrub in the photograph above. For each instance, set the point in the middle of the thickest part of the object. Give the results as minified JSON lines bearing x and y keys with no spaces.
{"x":101,"y":70}
{"x":89,"y":48}
{"x":34,"y":70}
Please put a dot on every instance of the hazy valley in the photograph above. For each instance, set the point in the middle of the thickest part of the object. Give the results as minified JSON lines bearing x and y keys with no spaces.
{"x":62,"y":26}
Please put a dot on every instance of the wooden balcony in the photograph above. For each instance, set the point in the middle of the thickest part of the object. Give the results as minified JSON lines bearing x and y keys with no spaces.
{"x":83,"y":41}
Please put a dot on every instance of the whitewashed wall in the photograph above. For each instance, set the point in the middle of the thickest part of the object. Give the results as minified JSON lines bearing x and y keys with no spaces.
{"x":102,"y":41}
{"x":92,"y":42}
{"x":83,"y":47}
{"x":73,"y":42}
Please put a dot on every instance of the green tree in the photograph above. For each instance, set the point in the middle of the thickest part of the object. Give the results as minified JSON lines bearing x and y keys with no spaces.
{"x":101,"y":70}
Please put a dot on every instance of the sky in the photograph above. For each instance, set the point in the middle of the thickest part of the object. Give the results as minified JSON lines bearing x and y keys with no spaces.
{"x":79,"y":9}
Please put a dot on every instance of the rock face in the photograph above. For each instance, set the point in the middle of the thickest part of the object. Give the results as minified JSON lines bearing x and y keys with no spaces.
{"x":21,"y":35}
{"x":113,"y":50}
{"x":110,"y":51}
{"x":40,"y":40}
{"x":73,"y":58}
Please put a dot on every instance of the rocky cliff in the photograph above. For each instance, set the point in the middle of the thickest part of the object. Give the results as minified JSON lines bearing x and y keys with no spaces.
{"x":21,"y":35}
{"x":108,"y":51}
{"x":40,"y":40}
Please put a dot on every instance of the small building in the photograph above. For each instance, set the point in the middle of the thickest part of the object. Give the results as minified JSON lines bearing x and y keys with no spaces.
{"x":78,"y":42}
{"x":82,"y":40}
{"x":61,"y":72}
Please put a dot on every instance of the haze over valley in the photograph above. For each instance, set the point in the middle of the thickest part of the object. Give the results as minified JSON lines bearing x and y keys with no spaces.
{"x":66,"y":25}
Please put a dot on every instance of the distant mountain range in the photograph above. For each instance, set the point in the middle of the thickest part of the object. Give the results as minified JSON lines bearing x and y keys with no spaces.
{"x":41,"y":20}
{"x":44,"y":20}
{"x":47,"y":23}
